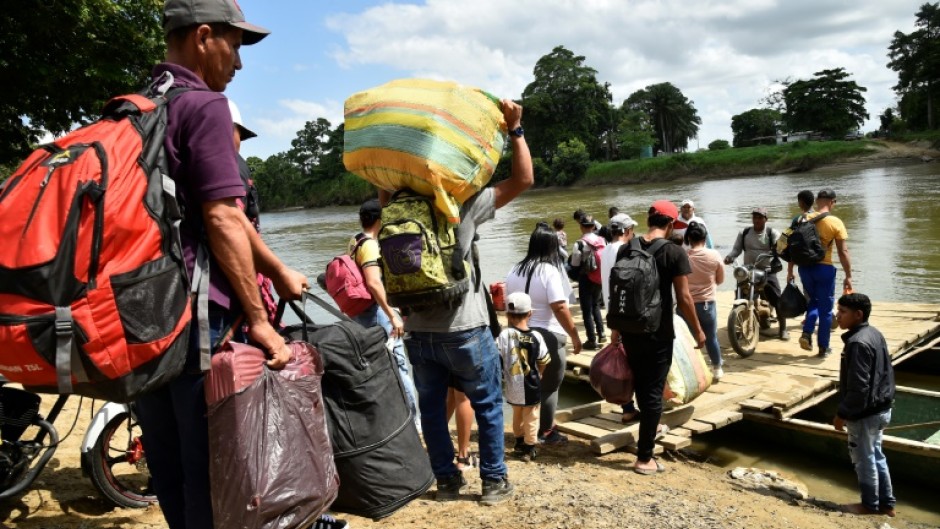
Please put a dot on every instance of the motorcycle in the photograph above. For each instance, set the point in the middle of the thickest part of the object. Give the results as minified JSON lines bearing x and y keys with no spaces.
{"x":112,"y":454}
{"x":749,"y":314}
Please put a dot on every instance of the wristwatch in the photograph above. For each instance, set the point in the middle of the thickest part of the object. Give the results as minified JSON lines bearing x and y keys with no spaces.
{"x":517,"y":132}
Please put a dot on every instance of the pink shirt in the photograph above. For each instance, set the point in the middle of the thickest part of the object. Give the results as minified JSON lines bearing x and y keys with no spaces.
{"x":705,"y":264}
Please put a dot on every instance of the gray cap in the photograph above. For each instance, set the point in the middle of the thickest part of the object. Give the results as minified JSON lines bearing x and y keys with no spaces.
{"x":181,"y":13}
{"x":623,"y":220}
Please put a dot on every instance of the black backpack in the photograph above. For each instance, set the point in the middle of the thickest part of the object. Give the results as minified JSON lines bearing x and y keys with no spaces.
{"x":803,"y":245}
{"x":635,"y":301}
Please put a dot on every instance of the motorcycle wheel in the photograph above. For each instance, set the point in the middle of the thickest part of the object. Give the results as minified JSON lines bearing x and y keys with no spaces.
{"x":117,"y":464}
{"x":743,"y":330}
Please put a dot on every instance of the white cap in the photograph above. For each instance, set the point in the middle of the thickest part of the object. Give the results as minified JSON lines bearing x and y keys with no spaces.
{"x":688,"y":202}
{"x":246,"y":133}
{"x":518,"y":303}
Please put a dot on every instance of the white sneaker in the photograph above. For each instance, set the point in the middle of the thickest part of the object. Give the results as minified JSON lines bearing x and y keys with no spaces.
{"x":718,"y":373}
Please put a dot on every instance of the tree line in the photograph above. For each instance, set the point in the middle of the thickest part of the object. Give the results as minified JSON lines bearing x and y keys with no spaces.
{"x":571,"y":118}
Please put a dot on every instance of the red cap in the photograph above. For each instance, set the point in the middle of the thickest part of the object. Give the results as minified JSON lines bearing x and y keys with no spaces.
{"x":665,"y":208}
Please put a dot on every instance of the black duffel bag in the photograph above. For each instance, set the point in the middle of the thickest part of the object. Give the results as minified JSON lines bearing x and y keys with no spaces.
{"x":792,"y":302}
{"x":379,"y":457}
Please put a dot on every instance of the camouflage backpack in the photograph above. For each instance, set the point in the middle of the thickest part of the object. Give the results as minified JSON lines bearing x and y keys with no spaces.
{"x":421,"y":259}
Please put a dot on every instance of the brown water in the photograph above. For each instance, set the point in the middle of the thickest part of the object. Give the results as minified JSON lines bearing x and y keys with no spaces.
{"x":889,"y":211}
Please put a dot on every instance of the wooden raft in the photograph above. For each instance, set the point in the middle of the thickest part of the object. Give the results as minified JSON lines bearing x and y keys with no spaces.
{"x":780,"y":379}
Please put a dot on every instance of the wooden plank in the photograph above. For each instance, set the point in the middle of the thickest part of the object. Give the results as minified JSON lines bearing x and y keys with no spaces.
{"x":681,"y":431}
{"x":755,"y":404}
{"x":584,"y":410}
{"x":703,"y":405}
{"x":583,"y":430}
{"x":783,"y":400}
{"x":721,"y":418}
{"x":611,"y":416}
{"x":611,"y":426}
{"x":698,"y":427}
{"x":808,"y":403}
{"x":674,"y":442}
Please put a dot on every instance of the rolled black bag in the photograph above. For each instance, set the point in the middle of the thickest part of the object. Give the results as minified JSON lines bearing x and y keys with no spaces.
{"x":792,"y":302}
{"x":381,"y":462}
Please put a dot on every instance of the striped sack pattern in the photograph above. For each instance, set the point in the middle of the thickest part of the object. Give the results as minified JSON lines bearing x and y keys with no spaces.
{"x":438,"y":138}
{"x":689,"y":376}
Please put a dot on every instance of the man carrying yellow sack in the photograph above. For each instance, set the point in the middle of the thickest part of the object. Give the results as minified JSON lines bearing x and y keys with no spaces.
{"x":455,"y":345}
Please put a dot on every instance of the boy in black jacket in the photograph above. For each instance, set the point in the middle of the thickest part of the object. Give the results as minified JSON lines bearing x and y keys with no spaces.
{"x":866,"y":390}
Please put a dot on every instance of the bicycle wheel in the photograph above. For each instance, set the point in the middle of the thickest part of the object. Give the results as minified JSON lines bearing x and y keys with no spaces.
{"x":117,"y":464}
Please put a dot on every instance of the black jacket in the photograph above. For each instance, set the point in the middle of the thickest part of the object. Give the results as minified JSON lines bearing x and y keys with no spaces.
{"x":866,"y":377}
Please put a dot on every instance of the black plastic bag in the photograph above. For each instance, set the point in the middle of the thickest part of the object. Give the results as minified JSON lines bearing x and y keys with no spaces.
{"x":792,"y":302}
{"x":271,"y":462}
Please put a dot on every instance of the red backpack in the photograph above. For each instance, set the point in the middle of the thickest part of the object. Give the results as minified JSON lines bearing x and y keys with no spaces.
{"x":345,"y":284}
{"x":94,"y":295}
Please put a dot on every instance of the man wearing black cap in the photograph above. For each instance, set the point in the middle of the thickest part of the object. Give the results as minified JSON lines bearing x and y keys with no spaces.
{"x":819,"y":280}
{"x":590,"y":293}
{"x":757,"y":239}
{"x":203,"y":38}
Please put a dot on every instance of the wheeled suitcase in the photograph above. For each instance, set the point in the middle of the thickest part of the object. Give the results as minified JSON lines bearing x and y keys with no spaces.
{"x":379,"y":457}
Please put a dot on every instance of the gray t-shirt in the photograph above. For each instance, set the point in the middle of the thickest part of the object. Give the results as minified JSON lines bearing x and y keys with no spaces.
{"x":754,"y":243}
{"x":472,"y":313}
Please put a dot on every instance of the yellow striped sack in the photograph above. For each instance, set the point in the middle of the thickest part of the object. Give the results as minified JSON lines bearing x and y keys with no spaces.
{"x":689,"y":376}
{"x":438,"y":138}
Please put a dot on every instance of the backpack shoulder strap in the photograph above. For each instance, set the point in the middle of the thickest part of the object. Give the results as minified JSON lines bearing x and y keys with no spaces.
{"x":819,"y":217}
{"x":657,"y":245}
{"x":528,"y":281}
{"x":745,"y":232}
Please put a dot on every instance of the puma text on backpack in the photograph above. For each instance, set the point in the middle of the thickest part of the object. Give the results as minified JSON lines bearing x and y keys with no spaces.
{"x":635,"y":302}
{"x":93,"y":288}
{"x":803,"y":245}
{"x":345,"y":283}
{"x":591,"y":261}
{"x":422,"y":262}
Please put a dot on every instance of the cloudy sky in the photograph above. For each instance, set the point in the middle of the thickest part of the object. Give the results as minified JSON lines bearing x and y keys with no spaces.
{"x":723,"y":55}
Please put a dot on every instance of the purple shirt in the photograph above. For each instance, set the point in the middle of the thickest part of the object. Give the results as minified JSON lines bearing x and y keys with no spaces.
{"x":200,"y":150}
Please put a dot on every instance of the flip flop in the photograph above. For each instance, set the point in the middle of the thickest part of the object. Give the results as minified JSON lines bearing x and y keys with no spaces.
{"x":661,"y":432}
{"x":650,"y":471}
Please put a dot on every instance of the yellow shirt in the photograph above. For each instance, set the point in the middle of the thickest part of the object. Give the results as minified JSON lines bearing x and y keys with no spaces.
{"x":830,"y":229}
{"x":368,"y":254}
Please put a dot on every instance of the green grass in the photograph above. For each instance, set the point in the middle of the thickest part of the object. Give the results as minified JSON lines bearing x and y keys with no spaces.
{"x":932,"y":136}
{"x":763,"y":159}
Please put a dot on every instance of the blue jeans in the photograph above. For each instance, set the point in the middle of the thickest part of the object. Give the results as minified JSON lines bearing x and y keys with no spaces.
{"x":590,"y":294}
{"x":176,"y":440}
{"x":819,"y":283}
{"x":376,"y":316}
{"x":707,"y":312}
{"x":871,"y":467}
{"x":471,"y":360}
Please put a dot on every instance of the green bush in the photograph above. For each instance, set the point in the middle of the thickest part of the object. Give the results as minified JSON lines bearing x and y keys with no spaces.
{"x":571,"y":162}
{"x":718,"y":145}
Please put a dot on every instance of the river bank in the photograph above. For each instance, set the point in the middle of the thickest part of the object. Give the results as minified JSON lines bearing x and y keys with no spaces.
{"x":795,"y":157}
{"x":565,"y":487}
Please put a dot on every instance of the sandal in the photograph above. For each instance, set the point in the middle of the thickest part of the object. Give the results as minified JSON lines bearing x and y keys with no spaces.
{"x":467,"y":463}
{"x":650,"y":471}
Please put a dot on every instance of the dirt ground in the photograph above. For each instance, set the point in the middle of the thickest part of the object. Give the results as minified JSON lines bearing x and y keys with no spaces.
{"x":566,"y":487}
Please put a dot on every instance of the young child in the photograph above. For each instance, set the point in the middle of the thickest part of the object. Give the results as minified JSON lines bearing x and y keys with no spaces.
{"x":524,"y":356}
